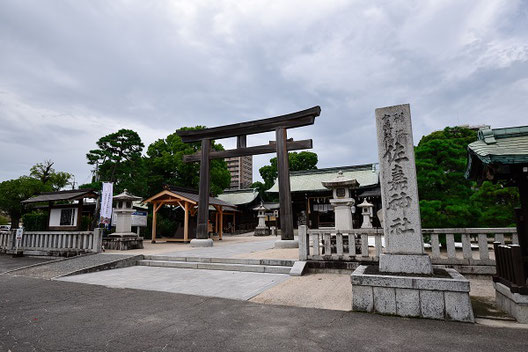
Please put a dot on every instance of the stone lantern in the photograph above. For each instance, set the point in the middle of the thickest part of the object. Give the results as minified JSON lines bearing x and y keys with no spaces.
{"x":123,"y":211}
{"x":342,"y":201}
{"x":367,"y":212}
{"x":262,"y":229}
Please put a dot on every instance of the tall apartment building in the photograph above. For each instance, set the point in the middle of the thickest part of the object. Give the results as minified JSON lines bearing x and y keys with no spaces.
{"x":241,"y":169}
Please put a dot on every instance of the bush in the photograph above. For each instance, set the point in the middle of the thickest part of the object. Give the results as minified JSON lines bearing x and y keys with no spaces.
{"x":35,"y":221}
{"x":85,"y":223}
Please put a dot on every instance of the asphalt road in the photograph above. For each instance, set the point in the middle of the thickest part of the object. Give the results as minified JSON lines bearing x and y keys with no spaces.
{"x":8,"y":262}
{"x":43,"y":315}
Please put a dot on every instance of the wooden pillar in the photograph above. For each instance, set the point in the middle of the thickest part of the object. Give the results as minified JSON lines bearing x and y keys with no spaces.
{"x":216,"y":220}
{"x":283,"y":170}
{"x":186,"y":223}
{"x":203,"y":205}
{"x":79,"y":215}
{"x":221,"y":223}
{"x":50,"y":204}
{"x":155,"y":209}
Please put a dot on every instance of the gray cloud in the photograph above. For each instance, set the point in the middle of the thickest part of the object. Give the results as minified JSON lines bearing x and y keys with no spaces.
{"x":71,"y":71}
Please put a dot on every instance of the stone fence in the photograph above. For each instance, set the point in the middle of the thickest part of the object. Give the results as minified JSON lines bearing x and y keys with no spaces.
{"x":472,"y":255}
{"x":58,"y":243}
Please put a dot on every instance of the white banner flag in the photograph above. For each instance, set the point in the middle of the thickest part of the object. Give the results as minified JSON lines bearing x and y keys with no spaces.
{"x":106,"y":203}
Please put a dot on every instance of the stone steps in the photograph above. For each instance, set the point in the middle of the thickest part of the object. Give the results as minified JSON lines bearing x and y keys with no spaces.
{"x":271,"y":266}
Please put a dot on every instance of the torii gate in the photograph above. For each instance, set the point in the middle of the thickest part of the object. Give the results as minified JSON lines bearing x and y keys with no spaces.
{"x":279,"y":124}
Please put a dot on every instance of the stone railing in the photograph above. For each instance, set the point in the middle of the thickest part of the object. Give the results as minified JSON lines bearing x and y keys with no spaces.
{"x":472,"y":255}
{"x":54,"y":242}
{"x":6,"y":240}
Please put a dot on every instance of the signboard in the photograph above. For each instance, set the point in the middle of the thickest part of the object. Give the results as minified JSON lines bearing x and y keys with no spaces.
{"x":139,"y":218}
{"x":106,"y":203}
{"x":19,"y":233}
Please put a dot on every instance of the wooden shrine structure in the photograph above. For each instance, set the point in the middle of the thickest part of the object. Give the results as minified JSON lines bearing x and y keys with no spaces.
{"x":281,"y":146}
{"x":188,"y":201}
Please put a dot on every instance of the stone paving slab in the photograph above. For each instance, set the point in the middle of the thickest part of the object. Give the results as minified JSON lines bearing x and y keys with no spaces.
{"x":211,"y":283}
{"x":70,"y":265}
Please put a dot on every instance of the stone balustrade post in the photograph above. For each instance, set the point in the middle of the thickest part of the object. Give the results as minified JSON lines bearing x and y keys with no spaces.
{"x":304,"y":244}
{"x":98,"y":240}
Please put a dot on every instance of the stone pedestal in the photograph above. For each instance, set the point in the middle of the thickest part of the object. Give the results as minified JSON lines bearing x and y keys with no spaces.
{"x":408,"y":296}
{"x":123,"y":241}
{"x":343,"y":213}
{"x":286,"y":244}
{"x":514,"y":304}
{"x":201,"y":242}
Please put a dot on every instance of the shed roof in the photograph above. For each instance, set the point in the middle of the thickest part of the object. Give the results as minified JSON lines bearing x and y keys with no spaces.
{"x":62,"y":195}
{"x":501,"y":145}
{"x":495,"y":151}
{"x":311,"y":180}
{"x":239,"y":196}
{"x":188,"y":195}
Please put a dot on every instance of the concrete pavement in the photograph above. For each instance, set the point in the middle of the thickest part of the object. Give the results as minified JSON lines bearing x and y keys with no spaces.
{"x":43,"y":315}
{"x":212,"y":283}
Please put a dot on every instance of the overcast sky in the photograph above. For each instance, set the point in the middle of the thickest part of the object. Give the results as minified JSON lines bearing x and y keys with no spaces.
{"x":74,"y":71}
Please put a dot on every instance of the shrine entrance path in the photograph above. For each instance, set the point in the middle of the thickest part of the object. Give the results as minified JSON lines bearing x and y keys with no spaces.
{"x":239,"y":246}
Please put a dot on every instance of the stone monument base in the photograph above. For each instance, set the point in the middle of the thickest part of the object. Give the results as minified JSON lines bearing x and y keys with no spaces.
{"x":515,"y":304}
{"x":412,"y":296}
{"x":201,"y":242}
{"x":123,"y":241}
{"x":286,"y":244}
{"x":406,"y":263}
{"x":262,"y":231}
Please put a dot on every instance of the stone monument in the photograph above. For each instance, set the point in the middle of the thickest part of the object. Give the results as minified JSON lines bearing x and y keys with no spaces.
{"x":261,"y":229}
{"x":404,"y":283}
{"x":342,"y":201}
{"x":123,"y":238}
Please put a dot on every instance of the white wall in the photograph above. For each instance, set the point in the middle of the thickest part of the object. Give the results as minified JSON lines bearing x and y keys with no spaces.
{"x":55,"y":216}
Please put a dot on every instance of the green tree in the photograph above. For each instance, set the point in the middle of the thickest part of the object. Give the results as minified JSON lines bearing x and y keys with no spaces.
{"x":47,"y":175}
{"x":297,"y":162}
{"x":119,"y":160}
{"x":13,"y":192}
{"x":4,"y":220}
{"x":447,"y":198}
{"x":496,"y":204}
{"x":165,"y":164}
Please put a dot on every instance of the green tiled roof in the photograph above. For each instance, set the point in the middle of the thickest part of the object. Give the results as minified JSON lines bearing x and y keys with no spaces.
{"x":311,"y":180}
{"x":501,"y":146}
{"x":239,"y":196}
